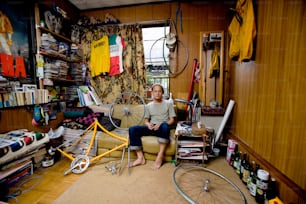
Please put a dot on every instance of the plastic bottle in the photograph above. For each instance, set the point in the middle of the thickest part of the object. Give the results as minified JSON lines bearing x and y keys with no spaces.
{"x":262,"y":183}
{"x":170,"y":100}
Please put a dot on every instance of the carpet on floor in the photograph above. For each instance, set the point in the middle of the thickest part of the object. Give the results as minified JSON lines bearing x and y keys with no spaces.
{"x":142,"y":185}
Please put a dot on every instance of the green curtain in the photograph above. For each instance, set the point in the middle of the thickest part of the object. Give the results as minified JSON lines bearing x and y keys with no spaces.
{"x":133,"y":78}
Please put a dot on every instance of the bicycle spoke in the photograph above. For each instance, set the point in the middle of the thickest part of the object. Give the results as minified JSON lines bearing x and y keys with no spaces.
{"x":129,"y":107}
{"x":201,"y":185}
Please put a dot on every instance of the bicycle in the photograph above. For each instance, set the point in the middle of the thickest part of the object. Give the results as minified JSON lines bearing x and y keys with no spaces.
{"x":130,"y":108}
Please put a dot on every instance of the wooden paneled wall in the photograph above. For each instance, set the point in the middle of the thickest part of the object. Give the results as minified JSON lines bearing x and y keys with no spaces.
{"x":21,"y":118}
{"x":268,"y":118}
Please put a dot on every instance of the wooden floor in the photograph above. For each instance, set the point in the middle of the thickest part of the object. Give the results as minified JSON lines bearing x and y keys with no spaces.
{"x":48,"y":184}
{"x":52,"y":183}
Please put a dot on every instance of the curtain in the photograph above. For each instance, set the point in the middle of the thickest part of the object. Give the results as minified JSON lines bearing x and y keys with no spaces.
{"x":133,"y":77}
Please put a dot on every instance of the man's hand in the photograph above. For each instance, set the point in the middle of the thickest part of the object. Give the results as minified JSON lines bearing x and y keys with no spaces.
{"x":150,"y":126}
{"x":153,"y":126}
{"x":156,"y":126}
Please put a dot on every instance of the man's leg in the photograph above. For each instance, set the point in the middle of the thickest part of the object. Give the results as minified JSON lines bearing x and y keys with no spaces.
{"x":140,"y":159}
{"x":163,"y":139}
{"x":135,"y":134}
{"x":160,"y":156}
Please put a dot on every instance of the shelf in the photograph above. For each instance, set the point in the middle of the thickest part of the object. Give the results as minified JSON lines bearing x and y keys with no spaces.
{"x":58,"y":56}
{"x":198,"y":157}
{"x":55,"y":34}
{"x":218,"y":111}
{"x":55,"y":81}
{"x":188,"y":143}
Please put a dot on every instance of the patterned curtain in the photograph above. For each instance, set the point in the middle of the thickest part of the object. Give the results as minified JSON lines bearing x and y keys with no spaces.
{"x":133,"y":78}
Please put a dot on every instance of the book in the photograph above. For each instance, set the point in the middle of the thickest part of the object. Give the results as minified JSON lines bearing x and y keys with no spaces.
{"x":94,"y":96}
{"x":85,"y":96}
{"x":1,"y":102}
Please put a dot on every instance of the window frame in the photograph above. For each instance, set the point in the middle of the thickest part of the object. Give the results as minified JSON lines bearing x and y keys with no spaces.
{"x":156,"y":72}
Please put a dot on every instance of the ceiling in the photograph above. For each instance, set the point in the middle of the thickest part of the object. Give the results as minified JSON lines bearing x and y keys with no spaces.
{"x":95,"y":4}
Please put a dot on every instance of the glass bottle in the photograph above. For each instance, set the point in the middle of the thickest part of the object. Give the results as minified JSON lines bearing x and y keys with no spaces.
{"x":252,"y":186}
{"x":239,"y":158}
{"x":272,"y":191}
{"x":242,"y":164}
{"x":246,"y":170}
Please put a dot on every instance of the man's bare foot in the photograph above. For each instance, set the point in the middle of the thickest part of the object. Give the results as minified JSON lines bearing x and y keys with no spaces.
{"x":137,"y":162}
{"x":158,"y":163}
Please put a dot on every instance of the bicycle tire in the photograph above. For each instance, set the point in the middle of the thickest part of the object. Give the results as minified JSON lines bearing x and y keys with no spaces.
{"x":177,"y":70}
{"x":129,"y":107}
{"x":187,"y":180}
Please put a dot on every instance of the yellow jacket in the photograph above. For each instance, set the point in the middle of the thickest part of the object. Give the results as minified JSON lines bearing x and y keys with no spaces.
{"x":242,"y":36}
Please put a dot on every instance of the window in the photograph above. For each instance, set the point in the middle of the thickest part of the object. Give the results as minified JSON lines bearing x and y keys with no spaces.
{"x":156,"y":57}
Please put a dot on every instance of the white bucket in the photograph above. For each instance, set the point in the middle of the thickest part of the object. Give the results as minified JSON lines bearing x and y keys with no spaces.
{"x":216,"y":151}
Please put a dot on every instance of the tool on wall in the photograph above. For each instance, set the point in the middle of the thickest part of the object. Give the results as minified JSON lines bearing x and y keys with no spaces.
{"x":171,"y":37}
{"x":179,"y":14}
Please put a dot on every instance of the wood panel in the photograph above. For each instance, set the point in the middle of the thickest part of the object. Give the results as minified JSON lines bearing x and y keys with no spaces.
{"x":269,"y":116}
{"x":269,"y":113}
{"x":21,"y":118}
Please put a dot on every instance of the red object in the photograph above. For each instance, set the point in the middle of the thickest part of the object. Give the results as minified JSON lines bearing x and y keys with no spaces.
{"x":34,"y":123}
{"x":190,"y":91}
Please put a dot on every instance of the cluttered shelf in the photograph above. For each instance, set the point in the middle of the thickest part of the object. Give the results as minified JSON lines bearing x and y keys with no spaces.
{"x":54,"y":34}
{"x":190,"y":146}
{"x":213,"y":111}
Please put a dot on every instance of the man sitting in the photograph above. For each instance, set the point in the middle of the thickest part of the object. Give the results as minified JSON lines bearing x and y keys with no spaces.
{"x":159,"y":115}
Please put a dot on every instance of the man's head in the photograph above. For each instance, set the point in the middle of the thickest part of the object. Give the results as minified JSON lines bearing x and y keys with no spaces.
{"x":157,"y":92}
{"x":159,"y":85}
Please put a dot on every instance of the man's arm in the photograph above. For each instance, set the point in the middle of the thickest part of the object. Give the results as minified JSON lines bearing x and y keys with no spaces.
{"x":170,"y":121}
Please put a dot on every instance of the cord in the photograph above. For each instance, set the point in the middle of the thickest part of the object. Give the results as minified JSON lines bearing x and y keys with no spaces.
{"x":18,"y":190}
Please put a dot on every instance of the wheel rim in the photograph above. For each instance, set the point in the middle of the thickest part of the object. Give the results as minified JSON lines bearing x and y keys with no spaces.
{"x":129,"y":107}
{"x":197,"y":184}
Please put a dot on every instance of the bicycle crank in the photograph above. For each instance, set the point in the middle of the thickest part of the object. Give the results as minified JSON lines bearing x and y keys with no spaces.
{"x":78,"y":165}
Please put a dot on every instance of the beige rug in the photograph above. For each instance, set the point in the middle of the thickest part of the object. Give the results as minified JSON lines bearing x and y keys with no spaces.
{"x":142,"y":185}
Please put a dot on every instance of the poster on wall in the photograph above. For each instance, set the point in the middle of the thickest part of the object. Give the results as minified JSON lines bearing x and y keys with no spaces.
{"x":14,"y":38}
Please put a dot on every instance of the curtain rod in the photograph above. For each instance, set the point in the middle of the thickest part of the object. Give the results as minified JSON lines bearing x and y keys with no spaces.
{"x":143,"y":23}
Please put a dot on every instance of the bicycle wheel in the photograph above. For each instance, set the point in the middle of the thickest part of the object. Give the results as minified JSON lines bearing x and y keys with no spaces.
{"x":176,"y":61}
{"x":129,"y":107}
{"x":198,"y":184}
